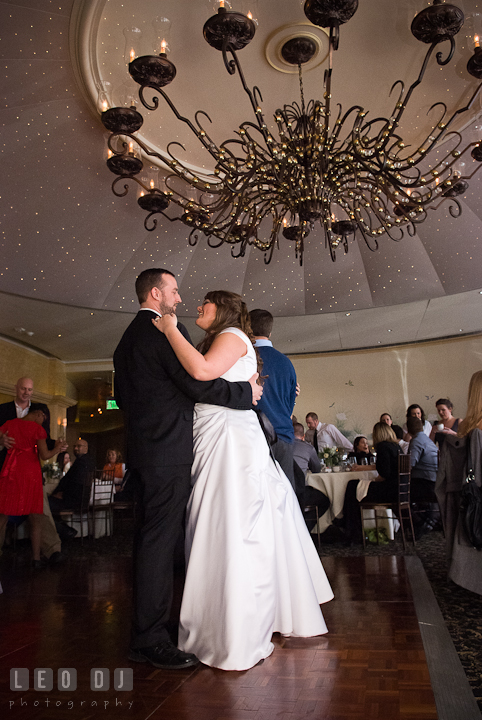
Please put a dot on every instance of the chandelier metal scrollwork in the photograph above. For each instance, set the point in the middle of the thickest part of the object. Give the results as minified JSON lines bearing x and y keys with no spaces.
{"x":355,"y":177}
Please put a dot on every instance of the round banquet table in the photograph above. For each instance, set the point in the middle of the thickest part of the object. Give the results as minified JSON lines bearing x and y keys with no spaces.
{"x":333,"y":485}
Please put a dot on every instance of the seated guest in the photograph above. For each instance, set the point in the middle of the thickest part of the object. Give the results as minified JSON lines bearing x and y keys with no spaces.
{"x":63,"y":461}
{"x":387,"y":418}
{"x":305,"y":458}
{"x":361,"y":452}
{"x":416,"y":411}
{"x":322,"y":435}
{"x":450,"y":424}
{"x":424,"y":463}
{"x":68,"y":493}
{"x":383,"y":488}
{"x":114,"y":467}
{"x":304,"y":453}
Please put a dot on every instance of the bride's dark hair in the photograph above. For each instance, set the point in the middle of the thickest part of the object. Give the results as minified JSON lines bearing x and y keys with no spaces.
{"x":231,"y":311}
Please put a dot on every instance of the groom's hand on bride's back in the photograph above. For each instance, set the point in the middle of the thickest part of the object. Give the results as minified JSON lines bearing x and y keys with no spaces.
{"x":256,"y":389}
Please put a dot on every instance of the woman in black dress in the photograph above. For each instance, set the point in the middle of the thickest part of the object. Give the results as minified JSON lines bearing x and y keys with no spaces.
{"x":361,"y":452}
{"x":383,"y":488}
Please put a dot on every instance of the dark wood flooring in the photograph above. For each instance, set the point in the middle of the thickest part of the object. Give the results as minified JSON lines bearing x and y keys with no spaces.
{"x":371,"y":664}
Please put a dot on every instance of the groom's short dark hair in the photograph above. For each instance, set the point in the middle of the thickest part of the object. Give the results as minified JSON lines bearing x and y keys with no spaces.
{"x":149,"y":279}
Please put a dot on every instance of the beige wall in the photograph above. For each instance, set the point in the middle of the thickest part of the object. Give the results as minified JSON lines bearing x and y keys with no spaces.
{"x":360,"y":385}
{"x":49,"y":377}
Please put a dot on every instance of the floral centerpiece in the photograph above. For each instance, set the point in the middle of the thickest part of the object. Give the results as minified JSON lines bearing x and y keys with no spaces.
{"x":331,"y":456}
{"x":51,"y":471}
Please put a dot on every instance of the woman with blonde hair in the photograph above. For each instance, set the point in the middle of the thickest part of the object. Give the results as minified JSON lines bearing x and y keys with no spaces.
{"x":252,"y":568}
{"x":383,"y":488}
{"x":459,"y":454}
{"x":473,"y":416}
{"x":114,"y":467}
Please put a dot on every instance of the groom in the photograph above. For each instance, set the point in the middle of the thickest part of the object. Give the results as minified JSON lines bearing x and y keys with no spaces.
{"x":157,"y":397}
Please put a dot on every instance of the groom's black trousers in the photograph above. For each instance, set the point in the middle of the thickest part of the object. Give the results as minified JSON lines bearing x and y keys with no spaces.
{"x":162,"y":494}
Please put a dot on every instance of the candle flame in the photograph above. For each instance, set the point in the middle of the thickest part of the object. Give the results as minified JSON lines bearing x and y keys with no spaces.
{"x":250,"y":15}
{"x":221,"y":3}
{"x":109,"y":153}
{"x":132,"y":54}
{"x":104,"y":105}
{"x":477,"y":41}
{"x":163,"y":46}
{"x":131,"y":148}
{"x":152,"y":184}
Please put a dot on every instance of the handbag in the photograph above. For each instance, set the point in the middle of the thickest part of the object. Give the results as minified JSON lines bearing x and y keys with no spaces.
{"x":267,"y":427}
{"x":471,"y":505}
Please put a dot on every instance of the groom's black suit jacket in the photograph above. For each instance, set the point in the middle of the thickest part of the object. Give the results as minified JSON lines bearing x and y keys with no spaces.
{"x":158,"y":396}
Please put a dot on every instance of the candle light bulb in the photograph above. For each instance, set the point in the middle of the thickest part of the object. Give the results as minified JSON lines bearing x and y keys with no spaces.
{"x":221,"y":3}
{"x":132,"y":54}
{"x":104,"y":105}
{"x":476,"y":41}
{"x":285,"y":222}
{"x":131,"y":148}
{"x":109,"y":153}
{"x":250,"y":15}
{"x":151,"y":183}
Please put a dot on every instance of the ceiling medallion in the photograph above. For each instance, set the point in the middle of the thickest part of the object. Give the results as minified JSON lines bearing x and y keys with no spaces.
{"x":352,"y":175}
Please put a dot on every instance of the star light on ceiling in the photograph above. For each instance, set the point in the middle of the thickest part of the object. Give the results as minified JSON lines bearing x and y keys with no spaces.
{"x":350,"y":174}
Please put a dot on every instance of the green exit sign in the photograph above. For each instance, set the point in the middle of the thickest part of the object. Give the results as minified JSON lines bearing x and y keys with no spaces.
{"x":111,"y":404}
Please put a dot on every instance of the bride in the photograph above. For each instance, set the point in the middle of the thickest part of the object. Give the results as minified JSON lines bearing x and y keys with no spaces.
{"x":252,"y":568}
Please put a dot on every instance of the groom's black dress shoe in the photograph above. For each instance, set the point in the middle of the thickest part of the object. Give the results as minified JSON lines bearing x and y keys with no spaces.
{"x":164,"y":655}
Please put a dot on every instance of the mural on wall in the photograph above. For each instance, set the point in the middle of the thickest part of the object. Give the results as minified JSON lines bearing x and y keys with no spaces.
{"x":349,"y":426}
{"x":365,"y":384}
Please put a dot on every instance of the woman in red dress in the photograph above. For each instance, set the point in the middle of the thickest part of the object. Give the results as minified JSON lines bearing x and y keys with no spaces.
{"x":21,"y":490}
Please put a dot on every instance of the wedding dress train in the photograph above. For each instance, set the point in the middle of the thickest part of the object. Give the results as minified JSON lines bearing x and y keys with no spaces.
{"x":252,"y":566}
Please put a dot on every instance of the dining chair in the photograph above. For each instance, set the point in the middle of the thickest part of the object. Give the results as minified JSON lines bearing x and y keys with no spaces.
{"x":401,"y":506}
{"x":102,"y":499}
{"x":82,"y":514}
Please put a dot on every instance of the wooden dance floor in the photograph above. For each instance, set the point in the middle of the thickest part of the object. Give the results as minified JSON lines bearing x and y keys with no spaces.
{"x":371,"y":665}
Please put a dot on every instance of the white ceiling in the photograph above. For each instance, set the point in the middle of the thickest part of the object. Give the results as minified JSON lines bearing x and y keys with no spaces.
{"x":71,"y":250}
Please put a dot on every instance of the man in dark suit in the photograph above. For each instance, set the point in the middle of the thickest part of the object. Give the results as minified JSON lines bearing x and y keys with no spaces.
{"x":68,"y":493}
{"x":157,"y":396}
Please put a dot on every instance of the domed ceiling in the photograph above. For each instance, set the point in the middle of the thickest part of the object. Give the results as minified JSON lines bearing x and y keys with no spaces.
{"x":71,"y":250}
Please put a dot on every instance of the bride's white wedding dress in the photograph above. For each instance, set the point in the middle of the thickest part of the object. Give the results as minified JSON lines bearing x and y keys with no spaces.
{"x":252,"y":566}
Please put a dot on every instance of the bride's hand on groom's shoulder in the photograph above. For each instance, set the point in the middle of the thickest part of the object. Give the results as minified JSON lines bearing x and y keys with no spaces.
{"x":257,"y":390}
{"x":164,"y":323}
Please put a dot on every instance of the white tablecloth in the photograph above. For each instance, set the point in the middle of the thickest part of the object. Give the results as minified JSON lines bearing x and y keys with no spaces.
{"x":333,"y":485}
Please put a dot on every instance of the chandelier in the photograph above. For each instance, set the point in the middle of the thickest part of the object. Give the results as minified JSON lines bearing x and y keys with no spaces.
{"x":352,"y":175}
